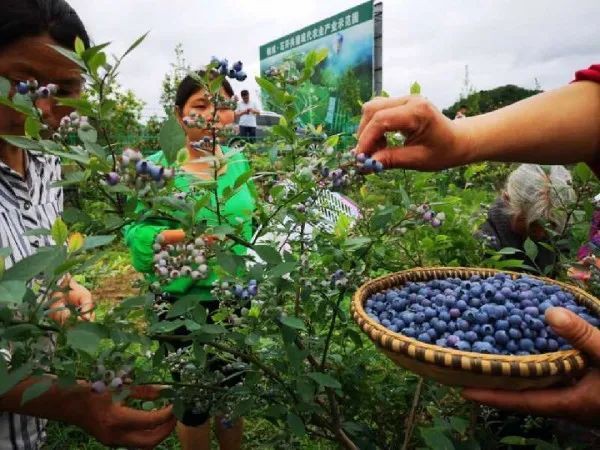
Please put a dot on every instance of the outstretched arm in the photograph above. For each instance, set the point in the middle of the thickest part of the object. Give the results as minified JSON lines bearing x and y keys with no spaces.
{"x":555,"y":127}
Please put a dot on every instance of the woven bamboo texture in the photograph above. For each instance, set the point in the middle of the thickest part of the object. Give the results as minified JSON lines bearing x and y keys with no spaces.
{"x":459,"y":368}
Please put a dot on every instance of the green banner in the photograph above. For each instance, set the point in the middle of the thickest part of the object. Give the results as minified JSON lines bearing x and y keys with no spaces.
{"x":332,"y":25}
{"x":333,"y":95}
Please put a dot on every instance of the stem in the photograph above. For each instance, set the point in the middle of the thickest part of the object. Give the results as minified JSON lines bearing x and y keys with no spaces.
{"x":410,"y":421}
{"x":331,"y":328}
{"x":473,"y":419}
{"x":298,"y":285}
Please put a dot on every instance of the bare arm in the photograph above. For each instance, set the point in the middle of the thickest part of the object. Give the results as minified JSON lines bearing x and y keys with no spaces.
{"x":111,"y":423}
{"x":555,"y":127}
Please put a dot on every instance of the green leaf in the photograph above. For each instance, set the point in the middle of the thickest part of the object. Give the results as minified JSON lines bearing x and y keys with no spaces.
{"x":85,"y":337}
{"x":415,"y":89}
{"x":282,"y":269}
{"x":28,"y":268}
{"x":296,"y":425}
{"x":459,"y":424}
{"x":357,"y":243}
{"x":137,"y":42}
{"x":182,"y":306}
{"x":171,"y":139}
{"x":531,"y":249}
{"x":79,"y":46}
{"x":32,"y":127}
{"x":325,"y":380}
{"x":70,"y":55}
{"x":97,"y":241}
{"x":11,"y":379}
{"x":135,"y":302}
{"x":268,"y":254}
{"x":35,"y":390}
{"x":23,"y":143}
{"x":509,"y":251}
{"x":514,"y":440}
{"x":80,"y":104}
{"x":12,"y":291}
{"x":242,"y":179}
{"x":436,"y":439}
{"x":4,"y":87}
{"x":59,"y":232}
{"x":293,"y":322}
{"x":88,"y":135}
{"x":97,"y":61}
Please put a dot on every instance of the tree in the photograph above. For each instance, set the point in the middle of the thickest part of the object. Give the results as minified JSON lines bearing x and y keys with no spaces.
{"x":179,"y":70}
{"x":485,"y":101}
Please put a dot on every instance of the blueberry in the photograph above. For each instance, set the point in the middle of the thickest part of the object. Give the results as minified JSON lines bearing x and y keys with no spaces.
{"x":238,"y":66}
{"x":541,"y":344}
{"x":454,"y":313}
{"x":22,"y":88}
{"x":113,"y":178}
{"x":464,"y":346}
{"x":512,"y":346}
{"x":502,"y":325}
{"x":532,"y":311}
{"x":142,"y":167}
{"x":386,"y":323}
{"x":487,"y":329}
{"x":441,"y":342}
{"x":501,"y":337}
{"x":471,"y":336}
{"x":482,"y":347}
{"x":552,"y":345}
{"x":409,"y":331}
{"x":515,"y":334}
{"x":452,"y":340}
{"x":440,"y":327}
{"x":424,"y":337}
{"x":526,"y":345}
{"x":461,"y":305}
{"x":515,"y":321}
{"x":481,"y":318}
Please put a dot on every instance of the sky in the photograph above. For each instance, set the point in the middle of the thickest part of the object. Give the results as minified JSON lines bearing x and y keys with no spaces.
{"x":520,"y":42}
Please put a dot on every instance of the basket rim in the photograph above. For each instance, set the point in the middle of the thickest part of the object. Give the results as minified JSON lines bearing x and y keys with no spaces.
{"x":563,"y":361}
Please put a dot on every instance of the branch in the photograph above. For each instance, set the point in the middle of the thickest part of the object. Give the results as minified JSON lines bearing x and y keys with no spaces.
{"x":410,"y":421}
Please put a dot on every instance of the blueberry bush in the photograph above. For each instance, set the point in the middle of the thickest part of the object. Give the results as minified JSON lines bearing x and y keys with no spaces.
{"x":304,"y":375}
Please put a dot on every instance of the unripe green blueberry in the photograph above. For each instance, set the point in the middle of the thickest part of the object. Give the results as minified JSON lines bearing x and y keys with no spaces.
{"x":202,"y":268}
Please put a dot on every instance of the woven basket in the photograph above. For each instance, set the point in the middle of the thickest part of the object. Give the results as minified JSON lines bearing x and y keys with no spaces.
{"x":458,"y":368}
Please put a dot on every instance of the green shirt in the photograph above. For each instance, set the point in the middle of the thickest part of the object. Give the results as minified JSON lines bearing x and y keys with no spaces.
{"x":140,"y":237}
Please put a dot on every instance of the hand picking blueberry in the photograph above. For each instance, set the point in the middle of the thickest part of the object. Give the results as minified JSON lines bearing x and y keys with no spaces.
{"x":494,"y":315}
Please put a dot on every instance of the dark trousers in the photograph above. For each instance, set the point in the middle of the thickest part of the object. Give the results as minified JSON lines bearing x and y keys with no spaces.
{"x":248,"y":132}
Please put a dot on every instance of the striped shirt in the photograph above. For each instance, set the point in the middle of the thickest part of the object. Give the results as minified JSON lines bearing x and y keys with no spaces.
{"x":27,"y":203}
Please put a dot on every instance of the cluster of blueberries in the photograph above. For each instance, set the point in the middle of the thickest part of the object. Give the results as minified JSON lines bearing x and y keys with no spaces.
{"x":235,"y":72}
{"x":336,"y":178}
{"x":428,"y":215}
{"x":34,"y":90}
{"x":143,"y":170}
{"x":495,"y":315}
{"x":71,"y":124}
{"x":369,"y":164}
{"x":180,"y":260}
{"x":246,"y":292}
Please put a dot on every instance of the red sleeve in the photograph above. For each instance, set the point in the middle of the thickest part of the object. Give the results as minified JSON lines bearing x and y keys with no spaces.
{"x":590,"y":74}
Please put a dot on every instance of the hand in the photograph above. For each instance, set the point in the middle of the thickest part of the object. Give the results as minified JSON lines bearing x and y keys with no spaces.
{"x":579,"y":402}
{"x":72,"y":294}
{"x":178,"y":236}
{"x":116,"y":425}
{"x":433,"y":141}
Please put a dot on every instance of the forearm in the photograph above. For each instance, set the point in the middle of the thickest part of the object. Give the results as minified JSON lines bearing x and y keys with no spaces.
{"x":556,"y":127}
{"x":55,"y":404}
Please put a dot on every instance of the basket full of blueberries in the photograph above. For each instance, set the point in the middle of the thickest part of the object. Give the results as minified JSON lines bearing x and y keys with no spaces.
{"x":474,"y":327}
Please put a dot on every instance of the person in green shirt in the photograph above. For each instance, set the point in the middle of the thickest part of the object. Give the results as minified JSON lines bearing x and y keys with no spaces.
{"x":192,"y":100}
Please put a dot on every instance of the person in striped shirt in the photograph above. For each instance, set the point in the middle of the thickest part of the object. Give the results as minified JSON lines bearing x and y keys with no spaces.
{"x":28,"y":201}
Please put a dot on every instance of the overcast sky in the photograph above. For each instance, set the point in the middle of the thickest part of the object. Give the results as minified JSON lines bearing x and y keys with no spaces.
{"x":502,"y":41}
